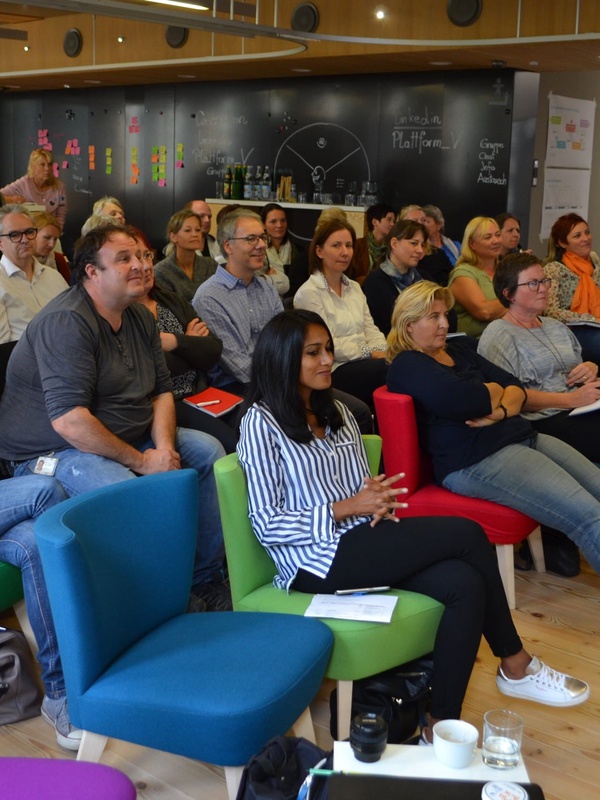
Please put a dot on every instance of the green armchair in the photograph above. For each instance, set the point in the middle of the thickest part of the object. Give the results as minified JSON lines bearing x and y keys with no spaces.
{"x":360,"y":649}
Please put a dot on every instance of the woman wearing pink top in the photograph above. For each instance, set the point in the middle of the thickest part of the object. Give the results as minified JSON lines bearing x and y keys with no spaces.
{"x":40,"y":186}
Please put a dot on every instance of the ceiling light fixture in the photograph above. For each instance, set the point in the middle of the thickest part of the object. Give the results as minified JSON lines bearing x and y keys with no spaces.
{"x":180,"y":4}
{"x":120,"y":39}
{"x":380,"y":13}
{"x":26,"y":48}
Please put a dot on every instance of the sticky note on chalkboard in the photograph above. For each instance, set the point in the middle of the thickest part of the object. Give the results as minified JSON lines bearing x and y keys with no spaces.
{"x":65,"y":164}
{"x":162,"y":182}
{"x":108,"y":151}
{"x":179,"y":165}
{"x":108,"y":169}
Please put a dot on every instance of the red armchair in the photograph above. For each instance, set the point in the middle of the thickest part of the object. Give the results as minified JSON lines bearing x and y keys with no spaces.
{"x":503,"y":526}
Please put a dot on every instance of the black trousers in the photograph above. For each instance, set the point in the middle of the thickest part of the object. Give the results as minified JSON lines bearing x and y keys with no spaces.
{"x":447,"y":558}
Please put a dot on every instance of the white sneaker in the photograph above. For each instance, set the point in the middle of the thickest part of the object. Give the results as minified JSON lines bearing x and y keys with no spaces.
{"x":545,"y":685}
{"x":56,"y":712}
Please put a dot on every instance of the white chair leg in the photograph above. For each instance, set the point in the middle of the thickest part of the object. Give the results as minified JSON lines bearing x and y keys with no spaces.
{"x":506,"y":565}
{"x":233,"y":776}
{"x":21,"y":614}
{"x":537,"y":549}
{"x":304,"y":726}
{"x":344,"y":709}
{"x":91,"y":747}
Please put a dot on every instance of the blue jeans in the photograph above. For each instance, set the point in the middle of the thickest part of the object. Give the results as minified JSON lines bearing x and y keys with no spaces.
{"x":22,"y":500}
{"x":546,"y":479}
{"x":80,"y":472}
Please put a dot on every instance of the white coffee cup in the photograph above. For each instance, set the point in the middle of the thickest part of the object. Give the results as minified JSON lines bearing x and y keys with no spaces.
{"x":454,"y":742}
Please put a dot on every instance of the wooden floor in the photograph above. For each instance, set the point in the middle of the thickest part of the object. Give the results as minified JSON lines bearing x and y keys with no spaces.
{"x":558,"y":619}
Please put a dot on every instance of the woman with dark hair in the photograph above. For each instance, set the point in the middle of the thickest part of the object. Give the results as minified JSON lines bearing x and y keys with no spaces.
{"x":510,"y":234}
{"x":574,"y":295}
{"x":327,"y":525}
{"x":190,"y":350}
{"x":371,"y":249}
{"x":359,"y":366}
{"x":281,"y":250}
{"x":183,"y":270}
{"x":399,"y":270}
{"x":543,"y":353}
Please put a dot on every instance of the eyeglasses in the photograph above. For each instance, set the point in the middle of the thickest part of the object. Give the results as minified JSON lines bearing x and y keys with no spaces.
{"x":252,"y":240}
{"x":17,"y":236}
{"x":534,"y":286}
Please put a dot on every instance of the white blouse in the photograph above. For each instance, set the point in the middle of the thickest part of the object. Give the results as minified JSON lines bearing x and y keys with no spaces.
{"x":355,"y":335}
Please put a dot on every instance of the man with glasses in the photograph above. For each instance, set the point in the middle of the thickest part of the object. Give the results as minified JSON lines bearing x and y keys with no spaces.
{"x":236,"y":304}
{"x":25,"y":284}
{"x":88,"y":396}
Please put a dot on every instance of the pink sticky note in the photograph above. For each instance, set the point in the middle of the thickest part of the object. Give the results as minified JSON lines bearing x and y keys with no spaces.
{"x":179,"y":165}
{"x":162,"y":182}
{"x":65,"y":164}
{"x":134,"y":120}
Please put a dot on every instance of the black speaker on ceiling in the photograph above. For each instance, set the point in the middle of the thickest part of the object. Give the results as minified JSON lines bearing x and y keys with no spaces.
{"x":72,"y":43}
{"x":305,"y":18}
{"x":464,"y":12}
{"x":176,"y":37}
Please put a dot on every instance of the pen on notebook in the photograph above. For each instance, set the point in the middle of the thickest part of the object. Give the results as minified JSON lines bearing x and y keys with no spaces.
{"x":208,"y":403}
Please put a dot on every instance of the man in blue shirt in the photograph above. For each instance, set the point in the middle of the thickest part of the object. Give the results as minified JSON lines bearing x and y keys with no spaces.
{"x":236,"y":304}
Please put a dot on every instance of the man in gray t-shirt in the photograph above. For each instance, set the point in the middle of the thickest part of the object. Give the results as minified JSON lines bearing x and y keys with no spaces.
{"x":88,"y":389}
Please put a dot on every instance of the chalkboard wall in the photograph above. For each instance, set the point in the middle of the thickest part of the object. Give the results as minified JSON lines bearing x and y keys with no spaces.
{"x":443,"y":138}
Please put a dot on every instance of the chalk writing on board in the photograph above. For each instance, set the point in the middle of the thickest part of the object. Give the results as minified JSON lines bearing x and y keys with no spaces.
{"x":213,"y":148}
{"x":488,"y":153}
{"x":323,"y":151}
{"x":422,"y":130}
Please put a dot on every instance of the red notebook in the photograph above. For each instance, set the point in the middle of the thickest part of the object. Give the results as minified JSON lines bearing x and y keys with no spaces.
{"x":213,"y":401}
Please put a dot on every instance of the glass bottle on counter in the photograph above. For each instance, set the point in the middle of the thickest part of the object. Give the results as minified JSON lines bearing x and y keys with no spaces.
{"x":249,"y":183}
{"x":227,"y":183}
{"x":237,"y":183}
{"x":266,"y":184}
{"x":258,"y":180}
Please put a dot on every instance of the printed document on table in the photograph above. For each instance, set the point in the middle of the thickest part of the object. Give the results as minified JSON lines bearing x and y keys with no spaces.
{"x":369,"y":607}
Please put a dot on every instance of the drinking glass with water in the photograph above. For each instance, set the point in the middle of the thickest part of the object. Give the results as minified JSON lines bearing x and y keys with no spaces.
{"x":502,"y":735}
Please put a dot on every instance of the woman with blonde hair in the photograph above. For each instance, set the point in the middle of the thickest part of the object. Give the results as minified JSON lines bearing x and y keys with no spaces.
{"x":40,"y":186}
{"x":472,"y":278}
{"x":183,"y":270}
{"x":470,"y":424}
{"x":48,"y":232}
{"x":109,"y":207}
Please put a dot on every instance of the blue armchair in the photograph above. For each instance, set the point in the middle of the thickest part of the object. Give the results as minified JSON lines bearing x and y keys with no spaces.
{"x":212,"y":686}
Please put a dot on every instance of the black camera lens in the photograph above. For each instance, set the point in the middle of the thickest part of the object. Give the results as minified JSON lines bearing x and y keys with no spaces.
{"x":368,"y":736}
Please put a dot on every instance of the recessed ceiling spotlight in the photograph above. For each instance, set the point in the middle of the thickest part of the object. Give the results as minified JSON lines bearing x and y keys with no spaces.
{"x":380,"y":13}
{"x":533,"y":63}
{"x":120,"y":39}
{"x":26,"y":48}
{"x":440,"y":63}
{"x":66,"y":85}
{"x":186,"y":76}
{"x":94,"y":82}
{"x":301,"y":69}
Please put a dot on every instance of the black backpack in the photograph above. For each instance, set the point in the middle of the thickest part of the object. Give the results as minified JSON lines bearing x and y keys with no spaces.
{"x":399,"y":695}
{"x":281,"y":770}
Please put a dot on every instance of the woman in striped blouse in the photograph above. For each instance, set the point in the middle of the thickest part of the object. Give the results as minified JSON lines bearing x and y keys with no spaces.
{"x":328,"y":525}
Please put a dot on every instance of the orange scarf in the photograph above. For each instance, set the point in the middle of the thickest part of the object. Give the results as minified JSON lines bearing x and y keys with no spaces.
{"x":586,"y":299}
